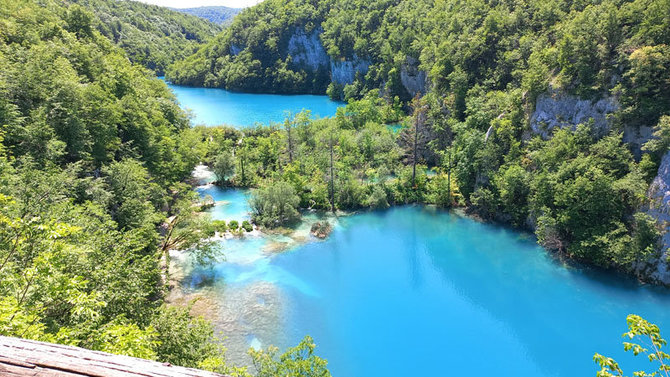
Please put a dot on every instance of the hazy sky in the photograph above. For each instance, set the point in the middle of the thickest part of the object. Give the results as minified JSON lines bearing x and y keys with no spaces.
{"x":202,"y":3}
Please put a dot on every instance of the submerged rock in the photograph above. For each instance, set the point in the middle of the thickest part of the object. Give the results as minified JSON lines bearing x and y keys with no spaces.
{"x":321,"y":229}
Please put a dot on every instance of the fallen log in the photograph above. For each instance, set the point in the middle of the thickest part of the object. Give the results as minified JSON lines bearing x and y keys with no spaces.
{"x":21,"y":357}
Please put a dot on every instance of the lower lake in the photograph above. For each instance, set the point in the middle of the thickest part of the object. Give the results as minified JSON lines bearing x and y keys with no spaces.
{"x":418,"y":291}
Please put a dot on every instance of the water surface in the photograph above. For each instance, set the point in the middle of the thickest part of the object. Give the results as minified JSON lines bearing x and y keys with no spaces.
{"x":415,"y":291}
{"x":212,"y":106}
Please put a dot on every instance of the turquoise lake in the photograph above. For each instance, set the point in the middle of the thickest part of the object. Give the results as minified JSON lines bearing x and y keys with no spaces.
{"x":212,"y":107}
{"x":410,"y":291}
{"x":417,"y":291}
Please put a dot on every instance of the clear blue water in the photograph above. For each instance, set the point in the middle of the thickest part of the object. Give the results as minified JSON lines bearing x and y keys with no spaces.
{"x":413,"y":291}
{"x":231,"y":204}
{"x":212,"y":107}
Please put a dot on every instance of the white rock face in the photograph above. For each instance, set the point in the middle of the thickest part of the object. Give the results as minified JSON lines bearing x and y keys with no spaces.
{"x":307,"y":50}
{"x":659,"y":194}
{"x":344,"y":71}
{"x":557,"y":109}
{"x":412,"y":78}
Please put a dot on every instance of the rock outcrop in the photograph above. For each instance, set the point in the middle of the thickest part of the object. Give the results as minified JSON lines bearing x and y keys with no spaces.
{"x":412,"y":78}
{"x":344,"y":72}
{"x":307,"y":50}
{"x":556,"y":109}
{"x":321,"y":229}
{"x":659,"y":208}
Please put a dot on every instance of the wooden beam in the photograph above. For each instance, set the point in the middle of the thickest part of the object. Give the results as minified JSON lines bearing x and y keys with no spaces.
{"x":21,"y":357}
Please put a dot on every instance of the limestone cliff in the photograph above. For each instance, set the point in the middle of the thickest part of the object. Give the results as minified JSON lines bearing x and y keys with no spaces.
{"x":412,"y":78}
{"x":307,"y":50}
{"x":659,"y":208}
{"x":558,"y":109}
{"x":344,"y":71}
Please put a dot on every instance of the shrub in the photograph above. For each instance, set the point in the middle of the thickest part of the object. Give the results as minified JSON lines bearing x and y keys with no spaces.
{"x":233,"y":225}
{"x":274,"y":204}
{"x":378,"y":198}
{"x":219,"y":225}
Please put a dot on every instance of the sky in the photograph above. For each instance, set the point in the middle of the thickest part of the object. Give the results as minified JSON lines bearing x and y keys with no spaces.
{"x":202,"y":3}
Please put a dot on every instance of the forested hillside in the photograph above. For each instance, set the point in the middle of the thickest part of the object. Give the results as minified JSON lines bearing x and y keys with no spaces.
{"x":151,"y":35}
{"x":538,"y":112}
{"x":218,"y":15}
{"x":93,"y":150}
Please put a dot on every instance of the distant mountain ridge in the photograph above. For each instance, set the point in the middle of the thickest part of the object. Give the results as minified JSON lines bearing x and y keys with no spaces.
{"x":219,"y":15}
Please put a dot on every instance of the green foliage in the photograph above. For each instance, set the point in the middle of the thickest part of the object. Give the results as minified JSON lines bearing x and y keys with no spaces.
{"x":151,"y":35}
{"x":646,"y":85}
{"x":274,"y":204}
{"x":660,"y":143}
{"x":233,"y":225}
{"x":220,"y":226}
{"x":187,"y":341}
{"x":513,"y":187}
{"x":92,"y":153}
{"x":583,"y":194}
{"x":582,"y":47}
{"x":224,"y":166}
{"x":649,"y":335}
{"x":297,"y":361}
{"x":378,"y":199}
{"x":247,"y":226}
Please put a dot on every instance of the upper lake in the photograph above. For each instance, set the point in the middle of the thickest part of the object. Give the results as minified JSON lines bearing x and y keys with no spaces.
{"x":213,"y":107}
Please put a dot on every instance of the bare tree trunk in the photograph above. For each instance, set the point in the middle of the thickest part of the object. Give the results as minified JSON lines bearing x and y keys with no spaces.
{"x":416,"y":143}
{"x":332,"y":177}
{"x":449,"y":176}
{"x":290,"y":144}
{"x":242,"y":166}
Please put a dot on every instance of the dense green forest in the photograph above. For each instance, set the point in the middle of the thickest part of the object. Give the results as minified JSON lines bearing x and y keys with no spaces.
{"x":581,"y":191}
{"x":151,"y":35}
{"x":216,"y":14}
{"x":94,"y":152}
